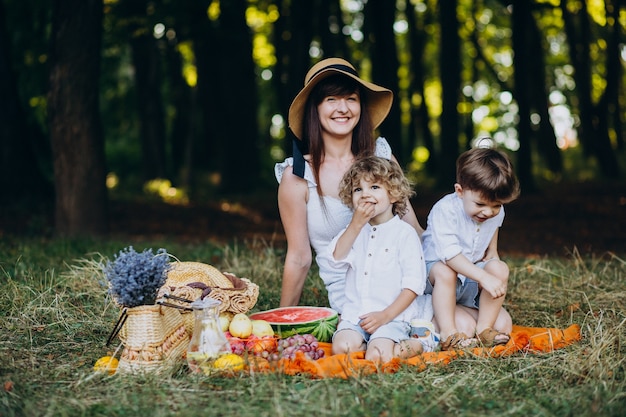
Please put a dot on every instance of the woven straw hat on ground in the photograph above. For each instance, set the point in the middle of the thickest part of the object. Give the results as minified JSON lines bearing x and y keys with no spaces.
{"x":194,"y":280}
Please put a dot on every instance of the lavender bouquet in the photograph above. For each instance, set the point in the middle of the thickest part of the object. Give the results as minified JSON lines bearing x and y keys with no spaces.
{"x":135,"y":278}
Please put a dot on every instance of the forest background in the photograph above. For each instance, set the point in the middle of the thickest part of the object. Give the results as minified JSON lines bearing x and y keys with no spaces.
{"x":182,"y":104}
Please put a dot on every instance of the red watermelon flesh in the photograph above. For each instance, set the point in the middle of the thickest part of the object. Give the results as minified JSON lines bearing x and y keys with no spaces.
{"x":321,"y":322}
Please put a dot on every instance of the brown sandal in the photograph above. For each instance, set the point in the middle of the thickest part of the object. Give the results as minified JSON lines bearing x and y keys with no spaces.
{"x":458,"y":340}
{"x":491,"y":337}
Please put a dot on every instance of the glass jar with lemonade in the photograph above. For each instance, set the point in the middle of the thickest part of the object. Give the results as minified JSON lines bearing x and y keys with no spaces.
{"x":208,"y":342}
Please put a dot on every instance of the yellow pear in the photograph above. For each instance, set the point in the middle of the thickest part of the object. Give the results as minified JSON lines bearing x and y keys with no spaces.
{"x":225,"y":317}
{"x":262,"y":328}
{"x":240,"y":326}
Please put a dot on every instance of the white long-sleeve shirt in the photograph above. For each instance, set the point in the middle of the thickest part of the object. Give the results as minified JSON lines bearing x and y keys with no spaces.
{"x":384,"y":260}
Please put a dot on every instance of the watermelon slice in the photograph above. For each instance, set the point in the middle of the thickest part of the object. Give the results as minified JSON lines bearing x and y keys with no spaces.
{"x":321,"y":322}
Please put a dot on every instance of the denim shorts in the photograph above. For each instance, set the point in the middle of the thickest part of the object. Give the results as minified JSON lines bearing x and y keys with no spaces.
{"x":467,"y":293}
{"x":394,"y":330}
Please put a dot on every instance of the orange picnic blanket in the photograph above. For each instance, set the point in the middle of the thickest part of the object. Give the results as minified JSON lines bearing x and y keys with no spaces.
{"x":523,"y":339}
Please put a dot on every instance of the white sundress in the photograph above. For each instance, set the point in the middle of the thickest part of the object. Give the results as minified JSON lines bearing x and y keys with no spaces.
{"x":324,"y":223}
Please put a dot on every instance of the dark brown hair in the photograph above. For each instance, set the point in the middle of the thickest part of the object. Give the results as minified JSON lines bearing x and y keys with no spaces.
{"x":489,"y":172}
{"x":362,"y":136}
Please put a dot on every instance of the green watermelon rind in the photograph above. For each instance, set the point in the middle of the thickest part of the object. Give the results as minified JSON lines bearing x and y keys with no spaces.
{"x":322,"y":328}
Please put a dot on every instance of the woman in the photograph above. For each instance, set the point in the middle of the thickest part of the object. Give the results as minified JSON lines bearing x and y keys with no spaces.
{"x":333,"y":117}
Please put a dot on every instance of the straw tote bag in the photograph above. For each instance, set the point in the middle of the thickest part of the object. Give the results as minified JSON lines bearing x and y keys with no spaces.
{"x":154,"y":338}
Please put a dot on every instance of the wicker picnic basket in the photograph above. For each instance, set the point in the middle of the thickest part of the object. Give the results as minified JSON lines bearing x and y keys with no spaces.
{"x":154,"y":338}
{"x":189,"y":281}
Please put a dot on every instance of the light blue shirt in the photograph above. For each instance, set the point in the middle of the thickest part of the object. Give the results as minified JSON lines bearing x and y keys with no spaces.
{"x":450,"y":232}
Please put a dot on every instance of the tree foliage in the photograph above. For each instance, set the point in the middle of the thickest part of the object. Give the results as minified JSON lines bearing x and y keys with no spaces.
{"x":195,"y":93}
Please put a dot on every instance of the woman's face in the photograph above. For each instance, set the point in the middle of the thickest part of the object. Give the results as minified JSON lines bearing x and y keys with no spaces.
{"x":339,"y":114}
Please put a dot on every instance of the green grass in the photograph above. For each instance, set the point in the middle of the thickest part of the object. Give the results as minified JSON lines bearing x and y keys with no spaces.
{"x":55,"y":318}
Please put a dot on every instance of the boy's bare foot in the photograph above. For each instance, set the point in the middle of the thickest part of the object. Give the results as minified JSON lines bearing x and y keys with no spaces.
{"x":407,"y":348}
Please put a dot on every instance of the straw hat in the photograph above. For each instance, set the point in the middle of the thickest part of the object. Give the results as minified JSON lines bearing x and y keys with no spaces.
{"x":379,"y":99}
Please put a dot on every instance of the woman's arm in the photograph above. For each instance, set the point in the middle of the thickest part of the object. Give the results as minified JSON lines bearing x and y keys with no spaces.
{"x":292,"y":199}
{"x":410,"y":216}
{"x":411,"y":219}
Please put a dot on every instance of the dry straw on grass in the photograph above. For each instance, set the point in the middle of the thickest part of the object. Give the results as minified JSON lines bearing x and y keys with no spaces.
{"x":56,"y":317}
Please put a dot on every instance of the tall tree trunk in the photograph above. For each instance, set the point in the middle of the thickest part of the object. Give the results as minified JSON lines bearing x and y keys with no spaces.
{"x":420,"y":119}
{"x":236,"y":131}
{"x":450,"y":70}
{"x":546,"y":138}
{"x":281,"y":75}
{"x":182,"y":97}
{"x":522,"y":56}
{"x":146,"y":61}
{"x":20,"y":174}
{"x":607,"y":108}
{"x":330,"y":24}
{"x":593,"y":129}
{"x":293,"y":33}
{"x":614,"y":71}
{"x":577,"y":31}
{"x":202,"y":148}
{"x":380,"y":16}
{"x":73,"y":111}
{"x":467,"y":120}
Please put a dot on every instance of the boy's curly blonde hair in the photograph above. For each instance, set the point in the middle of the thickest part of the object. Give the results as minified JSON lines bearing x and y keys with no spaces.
{"x":384,"y":171}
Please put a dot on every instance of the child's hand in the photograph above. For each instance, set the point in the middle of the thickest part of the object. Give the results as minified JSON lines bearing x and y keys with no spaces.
{"x":363,"y":212}
{"x":493,"y":286}
{"x":370,"y":322}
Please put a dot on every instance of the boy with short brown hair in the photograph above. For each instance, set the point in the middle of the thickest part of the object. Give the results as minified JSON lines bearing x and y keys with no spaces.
{"x":466,"y":277}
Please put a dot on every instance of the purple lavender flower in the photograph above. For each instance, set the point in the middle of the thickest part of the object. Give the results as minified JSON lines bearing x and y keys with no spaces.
{"x":135,"y":278}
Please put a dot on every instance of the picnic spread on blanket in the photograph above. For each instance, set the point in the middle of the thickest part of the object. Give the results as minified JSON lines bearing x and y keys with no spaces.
{"x":190,"y":312}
